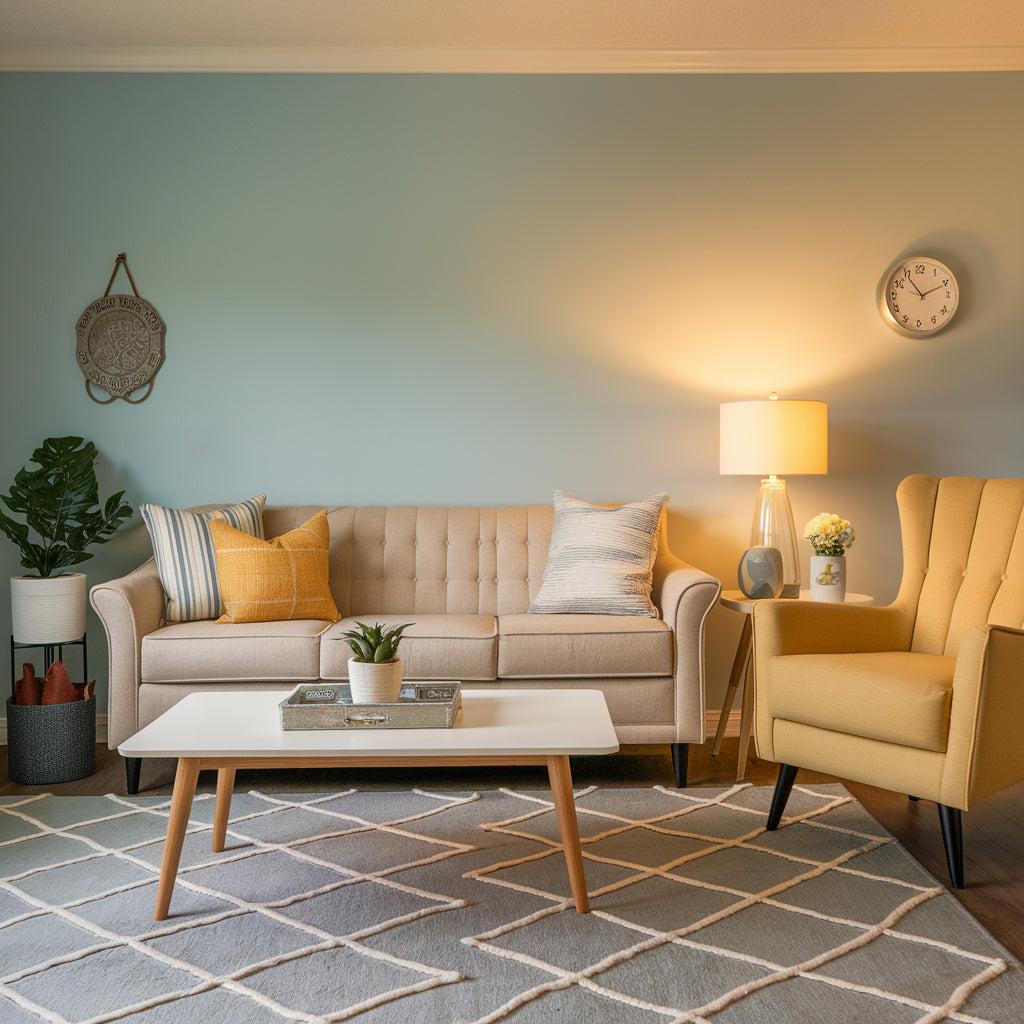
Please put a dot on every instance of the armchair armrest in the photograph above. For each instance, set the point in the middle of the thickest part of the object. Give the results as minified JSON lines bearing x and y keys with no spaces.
{"x":810,"y":627}
{"x":685,"y":595}
{"x":985,"y":752}
{"x":129,"y":607}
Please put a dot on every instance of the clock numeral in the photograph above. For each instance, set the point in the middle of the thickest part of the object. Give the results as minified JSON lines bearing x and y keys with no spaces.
{"x":898,"y":283}
{"x":934,"y":320}
{"x":905,"y":318}
{"x":896,"y":307}
{"x":944,"y":310}
{"x":919,"y":268}
{"x":918,"y":323}
{"x":948,"y":296}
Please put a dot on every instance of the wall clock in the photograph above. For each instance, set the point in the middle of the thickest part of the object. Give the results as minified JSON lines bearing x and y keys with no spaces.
{"x":919,"y":296}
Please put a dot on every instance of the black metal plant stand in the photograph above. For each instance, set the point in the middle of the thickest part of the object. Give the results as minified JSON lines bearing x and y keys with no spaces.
{"x":51,"y":653}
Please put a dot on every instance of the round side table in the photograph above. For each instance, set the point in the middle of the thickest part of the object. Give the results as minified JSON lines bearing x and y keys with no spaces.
{"x":739,"y":602}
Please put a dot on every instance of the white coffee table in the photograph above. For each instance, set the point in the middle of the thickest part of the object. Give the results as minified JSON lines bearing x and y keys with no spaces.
{"x":228,"y":731}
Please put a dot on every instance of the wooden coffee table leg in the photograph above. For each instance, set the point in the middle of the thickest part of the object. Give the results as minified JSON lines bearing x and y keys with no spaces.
{"x":181,"y":806}
{"x":565,"y":810}
{"x":222,"y":808}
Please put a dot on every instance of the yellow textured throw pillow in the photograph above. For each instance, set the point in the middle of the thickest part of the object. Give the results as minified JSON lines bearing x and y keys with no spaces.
{"x":285,"y":578}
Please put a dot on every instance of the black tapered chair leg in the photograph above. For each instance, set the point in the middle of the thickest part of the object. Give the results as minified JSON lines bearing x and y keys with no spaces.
{"x":783,"y":787}
{"x":680,"y":763}
{"x":953,"y":840}
{"x":132,"y":772}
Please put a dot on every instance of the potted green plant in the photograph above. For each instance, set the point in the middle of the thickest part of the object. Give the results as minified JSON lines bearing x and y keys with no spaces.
{"x":375,"y":670}
{"x":59,"y":502}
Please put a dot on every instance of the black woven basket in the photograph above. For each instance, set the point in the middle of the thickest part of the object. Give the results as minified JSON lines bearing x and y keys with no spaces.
{"x":48,"y":743}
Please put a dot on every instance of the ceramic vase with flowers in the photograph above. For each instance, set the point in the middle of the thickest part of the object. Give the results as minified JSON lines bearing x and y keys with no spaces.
{"x":830,"y":535}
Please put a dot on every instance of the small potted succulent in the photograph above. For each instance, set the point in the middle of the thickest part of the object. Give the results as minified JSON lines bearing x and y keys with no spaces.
{"x":60,"y":504}
{"x":375,"y":670}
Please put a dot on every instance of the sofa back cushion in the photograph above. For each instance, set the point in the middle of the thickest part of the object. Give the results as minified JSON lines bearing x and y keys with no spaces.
{"x":430,"y":560}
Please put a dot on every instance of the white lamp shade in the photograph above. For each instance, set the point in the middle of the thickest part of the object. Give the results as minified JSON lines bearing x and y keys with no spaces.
{"x":780,"y":438}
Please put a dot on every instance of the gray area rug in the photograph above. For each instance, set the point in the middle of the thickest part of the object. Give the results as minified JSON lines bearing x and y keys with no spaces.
{"x":434,"y":907}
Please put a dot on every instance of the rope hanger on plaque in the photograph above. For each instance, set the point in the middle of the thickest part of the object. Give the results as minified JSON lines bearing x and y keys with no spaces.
{"x":120,"y":342}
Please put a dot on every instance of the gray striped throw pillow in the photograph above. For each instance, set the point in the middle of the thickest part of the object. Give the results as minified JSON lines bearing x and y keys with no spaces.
{"x":601,"y":560}
{"x":186,"y":558}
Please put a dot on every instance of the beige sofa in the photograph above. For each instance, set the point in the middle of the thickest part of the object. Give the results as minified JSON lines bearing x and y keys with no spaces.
{"x":465,"y":577}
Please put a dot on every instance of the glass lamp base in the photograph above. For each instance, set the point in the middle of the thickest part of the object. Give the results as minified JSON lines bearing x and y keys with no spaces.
{"x":773,"y":527}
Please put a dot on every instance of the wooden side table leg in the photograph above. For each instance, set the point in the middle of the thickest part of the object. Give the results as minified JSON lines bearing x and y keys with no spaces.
{"x":746,"y":720}
{"x":739,"y":664}
{"x":222,"y":808}
{"x":185,"y":781}
{"x":565,"y":810}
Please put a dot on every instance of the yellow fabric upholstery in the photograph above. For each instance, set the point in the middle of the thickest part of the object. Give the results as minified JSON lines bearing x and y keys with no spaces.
{"x":285,"y":578}
{"x":891,"y":695}
{"x":925,"y":696}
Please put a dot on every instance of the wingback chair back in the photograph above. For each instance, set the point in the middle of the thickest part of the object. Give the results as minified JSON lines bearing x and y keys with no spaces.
{"x":963,"y":558}
{"x":924,"y":696}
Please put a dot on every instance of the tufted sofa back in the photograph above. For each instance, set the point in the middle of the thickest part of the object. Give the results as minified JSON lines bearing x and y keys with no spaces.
{"x":963,"y":558}
{"x":430,"y":560}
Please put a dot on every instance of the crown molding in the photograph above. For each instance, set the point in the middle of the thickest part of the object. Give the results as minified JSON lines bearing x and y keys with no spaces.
{"x":478,"y":60}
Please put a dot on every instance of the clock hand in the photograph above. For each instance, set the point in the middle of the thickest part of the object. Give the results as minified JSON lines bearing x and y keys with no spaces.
{"x":916,"y":289}
{"x":930,"y":290}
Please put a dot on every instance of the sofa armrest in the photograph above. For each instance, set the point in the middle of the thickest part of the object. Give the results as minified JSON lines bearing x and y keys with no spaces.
{"x":685,"y":595}
{"x":985,"y":753}
{"x":129,"y":607}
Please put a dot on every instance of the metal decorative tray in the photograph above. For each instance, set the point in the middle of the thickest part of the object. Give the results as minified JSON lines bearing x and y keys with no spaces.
{"x":330,"y":706}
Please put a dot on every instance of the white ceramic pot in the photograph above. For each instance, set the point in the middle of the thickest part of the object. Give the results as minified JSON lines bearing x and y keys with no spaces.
{"x":48,"y":610}
{"x":828,"y":578}
{"x":375,"y":682}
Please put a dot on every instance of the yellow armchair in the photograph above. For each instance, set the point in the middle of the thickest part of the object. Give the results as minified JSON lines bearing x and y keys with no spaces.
{"x":925,"y":696}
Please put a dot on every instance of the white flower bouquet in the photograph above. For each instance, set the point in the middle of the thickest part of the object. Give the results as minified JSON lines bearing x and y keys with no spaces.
{"x":829,"y":534}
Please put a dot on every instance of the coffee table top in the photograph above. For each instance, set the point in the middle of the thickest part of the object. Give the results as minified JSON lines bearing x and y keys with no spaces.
{"x":493,"y":723}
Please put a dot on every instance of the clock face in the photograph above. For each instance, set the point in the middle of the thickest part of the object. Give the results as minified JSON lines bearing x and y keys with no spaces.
{"x":919,"y":296}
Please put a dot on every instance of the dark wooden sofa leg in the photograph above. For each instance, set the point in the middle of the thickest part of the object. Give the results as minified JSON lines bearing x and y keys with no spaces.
{"x":953,"y":840}
{"x":783,"y":787}
{"x":680,"y":763}
{"x":132,"y":772}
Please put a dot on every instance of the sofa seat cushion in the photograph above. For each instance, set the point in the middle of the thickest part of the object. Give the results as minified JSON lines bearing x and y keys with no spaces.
{"x":900,"y":697}
{"x":462,"y":647}
{"x":571,"y":646}
{"x":207,"y":651}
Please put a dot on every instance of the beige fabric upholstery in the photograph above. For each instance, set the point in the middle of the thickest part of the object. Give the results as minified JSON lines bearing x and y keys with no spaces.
{"x":458,"y":574}
{"x":462,"y":647}
{"x":206,"y":650}
{"x":571,"y":646}
{"x":925,"y":696}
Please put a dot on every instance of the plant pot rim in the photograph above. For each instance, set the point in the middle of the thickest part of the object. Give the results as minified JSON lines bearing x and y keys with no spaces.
{"x":36,"y":576}
{"x":361,"y":661}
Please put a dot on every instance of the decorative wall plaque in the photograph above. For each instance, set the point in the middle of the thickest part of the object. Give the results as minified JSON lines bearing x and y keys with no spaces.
{"x":120,"y":343}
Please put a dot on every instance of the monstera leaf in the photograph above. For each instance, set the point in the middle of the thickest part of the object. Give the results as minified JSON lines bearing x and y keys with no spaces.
{"x":60,"y":505}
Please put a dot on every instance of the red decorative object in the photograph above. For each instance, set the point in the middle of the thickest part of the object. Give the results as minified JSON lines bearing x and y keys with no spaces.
{"x":55,"y":688}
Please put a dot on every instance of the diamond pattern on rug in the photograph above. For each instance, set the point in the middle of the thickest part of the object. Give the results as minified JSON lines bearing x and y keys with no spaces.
{"x":394,"y":907}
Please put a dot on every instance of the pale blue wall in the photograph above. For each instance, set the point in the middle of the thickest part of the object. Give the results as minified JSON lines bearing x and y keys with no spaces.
{"x":475,"y":289}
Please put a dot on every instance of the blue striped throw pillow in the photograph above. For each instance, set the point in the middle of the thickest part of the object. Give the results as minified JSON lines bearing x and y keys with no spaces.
{"x":186,"y":558}
{"x":601,"y":559}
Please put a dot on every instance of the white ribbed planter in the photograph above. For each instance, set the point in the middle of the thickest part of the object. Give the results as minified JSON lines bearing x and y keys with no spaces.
{"x":375,"y":682}
{"x":48,"y":611}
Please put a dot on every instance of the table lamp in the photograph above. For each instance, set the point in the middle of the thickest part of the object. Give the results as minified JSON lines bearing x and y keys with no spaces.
{"x":768,"y":439}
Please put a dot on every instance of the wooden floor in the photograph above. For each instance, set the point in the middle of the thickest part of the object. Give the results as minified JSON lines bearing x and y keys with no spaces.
{"x":993,"y":829}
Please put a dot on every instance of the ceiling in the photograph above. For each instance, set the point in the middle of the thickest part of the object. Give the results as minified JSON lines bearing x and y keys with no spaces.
{"x":511,"y":35}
